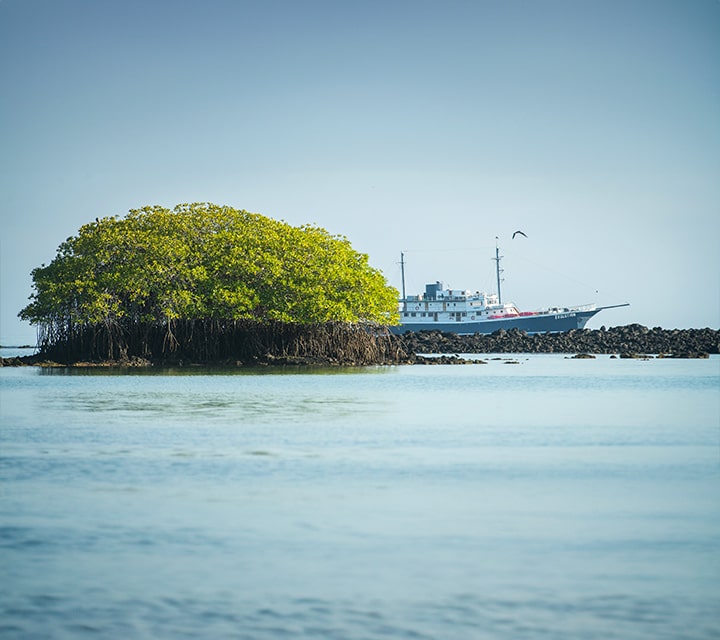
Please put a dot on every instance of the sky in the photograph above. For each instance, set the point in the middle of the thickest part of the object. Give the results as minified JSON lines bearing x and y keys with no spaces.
{"x":435,"y":128}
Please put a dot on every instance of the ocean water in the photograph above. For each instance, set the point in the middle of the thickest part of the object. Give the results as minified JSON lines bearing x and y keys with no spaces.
{"x":529,"y":497}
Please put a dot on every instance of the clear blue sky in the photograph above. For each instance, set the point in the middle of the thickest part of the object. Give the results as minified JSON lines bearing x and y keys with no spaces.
{"x":425,"y":126}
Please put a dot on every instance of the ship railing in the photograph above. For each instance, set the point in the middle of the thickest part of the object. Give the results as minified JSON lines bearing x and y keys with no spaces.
{"x":554,"y":310}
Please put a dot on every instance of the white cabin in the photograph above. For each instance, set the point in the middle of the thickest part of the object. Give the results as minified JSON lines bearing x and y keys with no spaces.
{"x":439,"y":304}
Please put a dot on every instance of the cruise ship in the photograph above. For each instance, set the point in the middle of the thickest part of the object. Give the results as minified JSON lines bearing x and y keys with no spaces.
{"x":467,"y":312}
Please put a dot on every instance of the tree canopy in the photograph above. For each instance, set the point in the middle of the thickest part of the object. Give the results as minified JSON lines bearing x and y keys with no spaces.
{"x":203,"y":261}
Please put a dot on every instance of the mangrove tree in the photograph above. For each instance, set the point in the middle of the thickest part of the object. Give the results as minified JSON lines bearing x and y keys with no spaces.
{"x":170,"y":281}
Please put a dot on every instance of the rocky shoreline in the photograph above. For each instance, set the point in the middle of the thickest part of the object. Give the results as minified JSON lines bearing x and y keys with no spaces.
{"x":625,"y":341}
{"x":630,"y":341}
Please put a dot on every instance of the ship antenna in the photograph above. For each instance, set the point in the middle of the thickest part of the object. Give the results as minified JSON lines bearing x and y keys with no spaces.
{"x":402,"y":275}
{"x":498,"y":270}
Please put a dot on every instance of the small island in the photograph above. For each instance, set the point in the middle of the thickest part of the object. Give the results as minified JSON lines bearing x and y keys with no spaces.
{"x":209,"y":284}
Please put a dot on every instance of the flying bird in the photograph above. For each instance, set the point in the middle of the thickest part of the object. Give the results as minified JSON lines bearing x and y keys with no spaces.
{"x":518,"y":232}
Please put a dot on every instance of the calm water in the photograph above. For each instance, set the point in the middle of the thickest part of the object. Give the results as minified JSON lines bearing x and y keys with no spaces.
{"x":553,"y":498}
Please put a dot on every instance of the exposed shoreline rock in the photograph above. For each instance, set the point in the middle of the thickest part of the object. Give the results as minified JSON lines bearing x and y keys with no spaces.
{"x":623,"y":340}
{"x":444,"y":359}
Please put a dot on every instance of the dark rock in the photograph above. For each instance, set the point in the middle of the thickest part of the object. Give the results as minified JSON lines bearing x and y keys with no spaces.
{"x":628,"y":339}
{"x":686,"y":354}
{"x":11,"y":362}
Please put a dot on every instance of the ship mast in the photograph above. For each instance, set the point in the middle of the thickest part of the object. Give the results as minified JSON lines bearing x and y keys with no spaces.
{"x":402,"y":275}
{"x":498,"y":270}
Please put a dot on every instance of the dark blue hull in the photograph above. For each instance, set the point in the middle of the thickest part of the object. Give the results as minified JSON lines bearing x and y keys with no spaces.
{"x":541,"y":323}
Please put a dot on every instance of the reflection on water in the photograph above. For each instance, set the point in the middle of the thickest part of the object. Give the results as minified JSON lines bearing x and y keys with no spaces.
{"x":550,"y":499}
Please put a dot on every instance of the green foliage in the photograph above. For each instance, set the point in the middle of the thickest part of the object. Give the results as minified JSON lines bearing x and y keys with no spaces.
{"x":202,"y":261}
